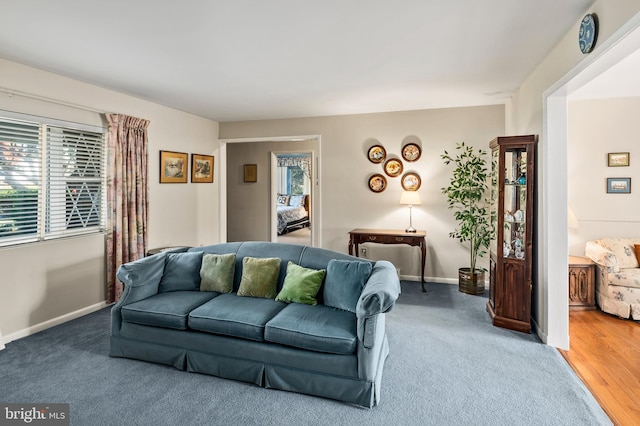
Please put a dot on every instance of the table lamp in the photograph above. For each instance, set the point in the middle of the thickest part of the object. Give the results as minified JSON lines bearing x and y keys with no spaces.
{"x":412,"y":198}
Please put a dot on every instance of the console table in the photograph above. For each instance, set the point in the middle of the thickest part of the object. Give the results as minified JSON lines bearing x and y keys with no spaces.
{"x":390,"y":236}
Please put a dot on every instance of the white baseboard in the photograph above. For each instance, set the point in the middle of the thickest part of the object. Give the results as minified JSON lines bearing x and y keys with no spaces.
{"x":439,"y":280}
{"x":50,"y":323}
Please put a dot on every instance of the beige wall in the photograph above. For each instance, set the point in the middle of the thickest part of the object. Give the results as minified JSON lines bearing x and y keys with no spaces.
{"x":44,"y":283}
{"x":346,"y":201}
{"x":249,"y":204}
{"x":597,"y":127}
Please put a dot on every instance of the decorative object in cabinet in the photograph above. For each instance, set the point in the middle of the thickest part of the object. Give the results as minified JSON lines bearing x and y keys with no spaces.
{"x":512,"y":248}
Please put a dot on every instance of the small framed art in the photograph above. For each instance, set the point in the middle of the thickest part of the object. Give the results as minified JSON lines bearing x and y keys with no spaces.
{"x":173,"y":167}
{"x":250,"y":172}
{"x":201,"y":168}
{"x":618,"y":159}
{"x":618,"y":185}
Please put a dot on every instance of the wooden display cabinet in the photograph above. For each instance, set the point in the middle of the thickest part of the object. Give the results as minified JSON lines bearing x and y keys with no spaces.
{"x":512,"y":250}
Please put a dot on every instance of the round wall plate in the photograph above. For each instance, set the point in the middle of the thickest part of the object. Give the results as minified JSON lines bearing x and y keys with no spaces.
{"x":588,"y":33}
{"x":377,"y":154}
{"x":393,"y":167}
{"x":377,"y":183}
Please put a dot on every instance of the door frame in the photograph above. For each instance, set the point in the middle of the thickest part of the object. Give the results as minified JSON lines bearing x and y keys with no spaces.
{"x":316,"y":238}
{"x":274,"y":190}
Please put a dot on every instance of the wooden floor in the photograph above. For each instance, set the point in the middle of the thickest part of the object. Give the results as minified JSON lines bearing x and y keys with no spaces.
{"x":605,"y":353}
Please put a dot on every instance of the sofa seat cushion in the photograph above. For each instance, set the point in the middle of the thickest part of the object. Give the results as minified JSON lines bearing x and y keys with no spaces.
{"x":237,"y":316}
{"x":316,"y":328}
{"x":169,"y":310}
{"x":629,"y":277}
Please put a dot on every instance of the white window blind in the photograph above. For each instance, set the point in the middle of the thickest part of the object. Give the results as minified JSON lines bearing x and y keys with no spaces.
{"x":20,"y":165}
{"x":67,"y":198}
{"x":75,"y":161}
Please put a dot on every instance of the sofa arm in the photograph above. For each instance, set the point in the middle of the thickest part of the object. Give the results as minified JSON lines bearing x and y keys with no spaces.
{"x":380,"y":291}
{"x":141,"y":278}
{"x":602,"y":256}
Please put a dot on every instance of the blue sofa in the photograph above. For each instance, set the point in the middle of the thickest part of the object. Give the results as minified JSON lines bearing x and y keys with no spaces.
{"x":334,"y":349}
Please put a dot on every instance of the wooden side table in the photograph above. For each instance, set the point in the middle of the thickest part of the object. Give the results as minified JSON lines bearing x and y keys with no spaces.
{"x":390,"y":236}
{"x":582,"y":274}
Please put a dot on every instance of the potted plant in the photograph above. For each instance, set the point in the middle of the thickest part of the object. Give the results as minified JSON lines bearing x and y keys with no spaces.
{"x":466,"y":197}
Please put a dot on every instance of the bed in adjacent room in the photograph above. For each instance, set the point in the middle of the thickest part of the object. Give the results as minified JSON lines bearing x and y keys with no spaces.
{"x":293,"y":212}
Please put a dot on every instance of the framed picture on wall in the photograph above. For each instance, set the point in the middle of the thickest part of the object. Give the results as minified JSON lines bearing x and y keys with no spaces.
{"x":618,"y":185}
{"x":250,"y":172}
{"x":173,"y":167}
{"x":201,"y":168}
{"x":618,"y":159}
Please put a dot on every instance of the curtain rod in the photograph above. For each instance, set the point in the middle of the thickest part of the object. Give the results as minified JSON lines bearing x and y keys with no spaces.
{"x":12,"y":92}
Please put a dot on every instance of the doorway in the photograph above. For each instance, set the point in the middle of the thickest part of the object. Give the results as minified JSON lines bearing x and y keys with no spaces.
{"x":253,"y":221}
{"x":618,"y":47}
{"x":292,"y":196}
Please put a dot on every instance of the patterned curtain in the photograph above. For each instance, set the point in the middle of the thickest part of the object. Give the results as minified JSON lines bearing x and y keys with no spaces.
{"x":127,"y":202}
{"x":303,"y":162}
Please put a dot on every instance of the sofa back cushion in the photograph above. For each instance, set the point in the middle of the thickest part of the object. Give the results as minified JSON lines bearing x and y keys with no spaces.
{"x":344,"y":283}
{"x":623,"y":249}
{"x":181,"y":272}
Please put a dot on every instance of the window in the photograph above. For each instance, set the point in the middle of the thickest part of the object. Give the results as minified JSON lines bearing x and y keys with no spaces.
{"x":52,"y":179}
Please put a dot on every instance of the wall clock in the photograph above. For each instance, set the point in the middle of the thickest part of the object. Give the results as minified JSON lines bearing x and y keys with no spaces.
{"x":588,"y":33}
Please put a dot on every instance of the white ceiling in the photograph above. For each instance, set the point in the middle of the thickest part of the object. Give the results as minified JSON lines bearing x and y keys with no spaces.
{"x":232,"y":60}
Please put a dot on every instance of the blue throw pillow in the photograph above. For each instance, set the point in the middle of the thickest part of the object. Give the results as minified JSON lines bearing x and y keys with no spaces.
{"x":344,"y":283}
{"x":181,"y":272}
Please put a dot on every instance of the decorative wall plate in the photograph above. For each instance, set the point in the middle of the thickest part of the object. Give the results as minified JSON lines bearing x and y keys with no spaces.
{"x":377,"y":183}
{"x":411,"y":181}
{"x":377,"y":154}
{"x":393,"y":167}
{"x":411,"y":152}
{"x":588,"y":33}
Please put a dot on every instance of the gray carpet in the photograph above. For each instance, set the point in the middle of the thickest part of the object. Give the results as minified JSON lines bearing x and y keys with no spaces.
{"x":448,"y":366}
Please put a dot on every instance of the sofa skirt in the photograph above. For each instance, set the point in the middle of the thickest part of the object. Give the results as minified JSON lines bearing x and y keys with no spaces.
{"x":264,"y":364}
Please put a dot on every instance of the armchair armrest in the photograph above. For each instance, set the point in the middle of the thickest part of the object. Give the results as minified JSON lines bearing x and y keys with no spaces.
{"x":380,"y":292}
{"x":602,"y":256}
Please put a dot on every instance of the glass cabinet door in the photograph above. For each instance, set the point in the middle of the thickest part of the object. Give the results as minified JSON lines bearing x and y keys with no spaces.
{"x":493,"y":246}
{"x":515,"y":203}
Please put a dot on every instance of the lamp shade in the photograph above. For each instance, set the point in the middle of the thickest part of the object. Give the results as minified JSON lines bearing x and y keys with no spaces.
{"x":411,"y":198}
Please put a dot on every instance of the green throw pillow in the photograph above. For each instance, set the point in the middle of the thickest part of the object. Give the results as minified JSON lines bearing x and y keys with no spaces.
{"x":259,"y":277}
{"x":216,"y":273}
{"x":301,"y":285}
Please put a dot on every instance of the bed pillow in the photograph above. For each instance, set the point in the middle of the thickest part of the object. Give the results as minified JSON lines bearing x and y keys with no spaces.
{"x":283,"y":200}
{"x":181,"y":272}
{"x":301,"y":285}
{"x":217,"y":271}
{"x":344,"y":283}
{"x":296,"y":200}
{"x":259,"y":277}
